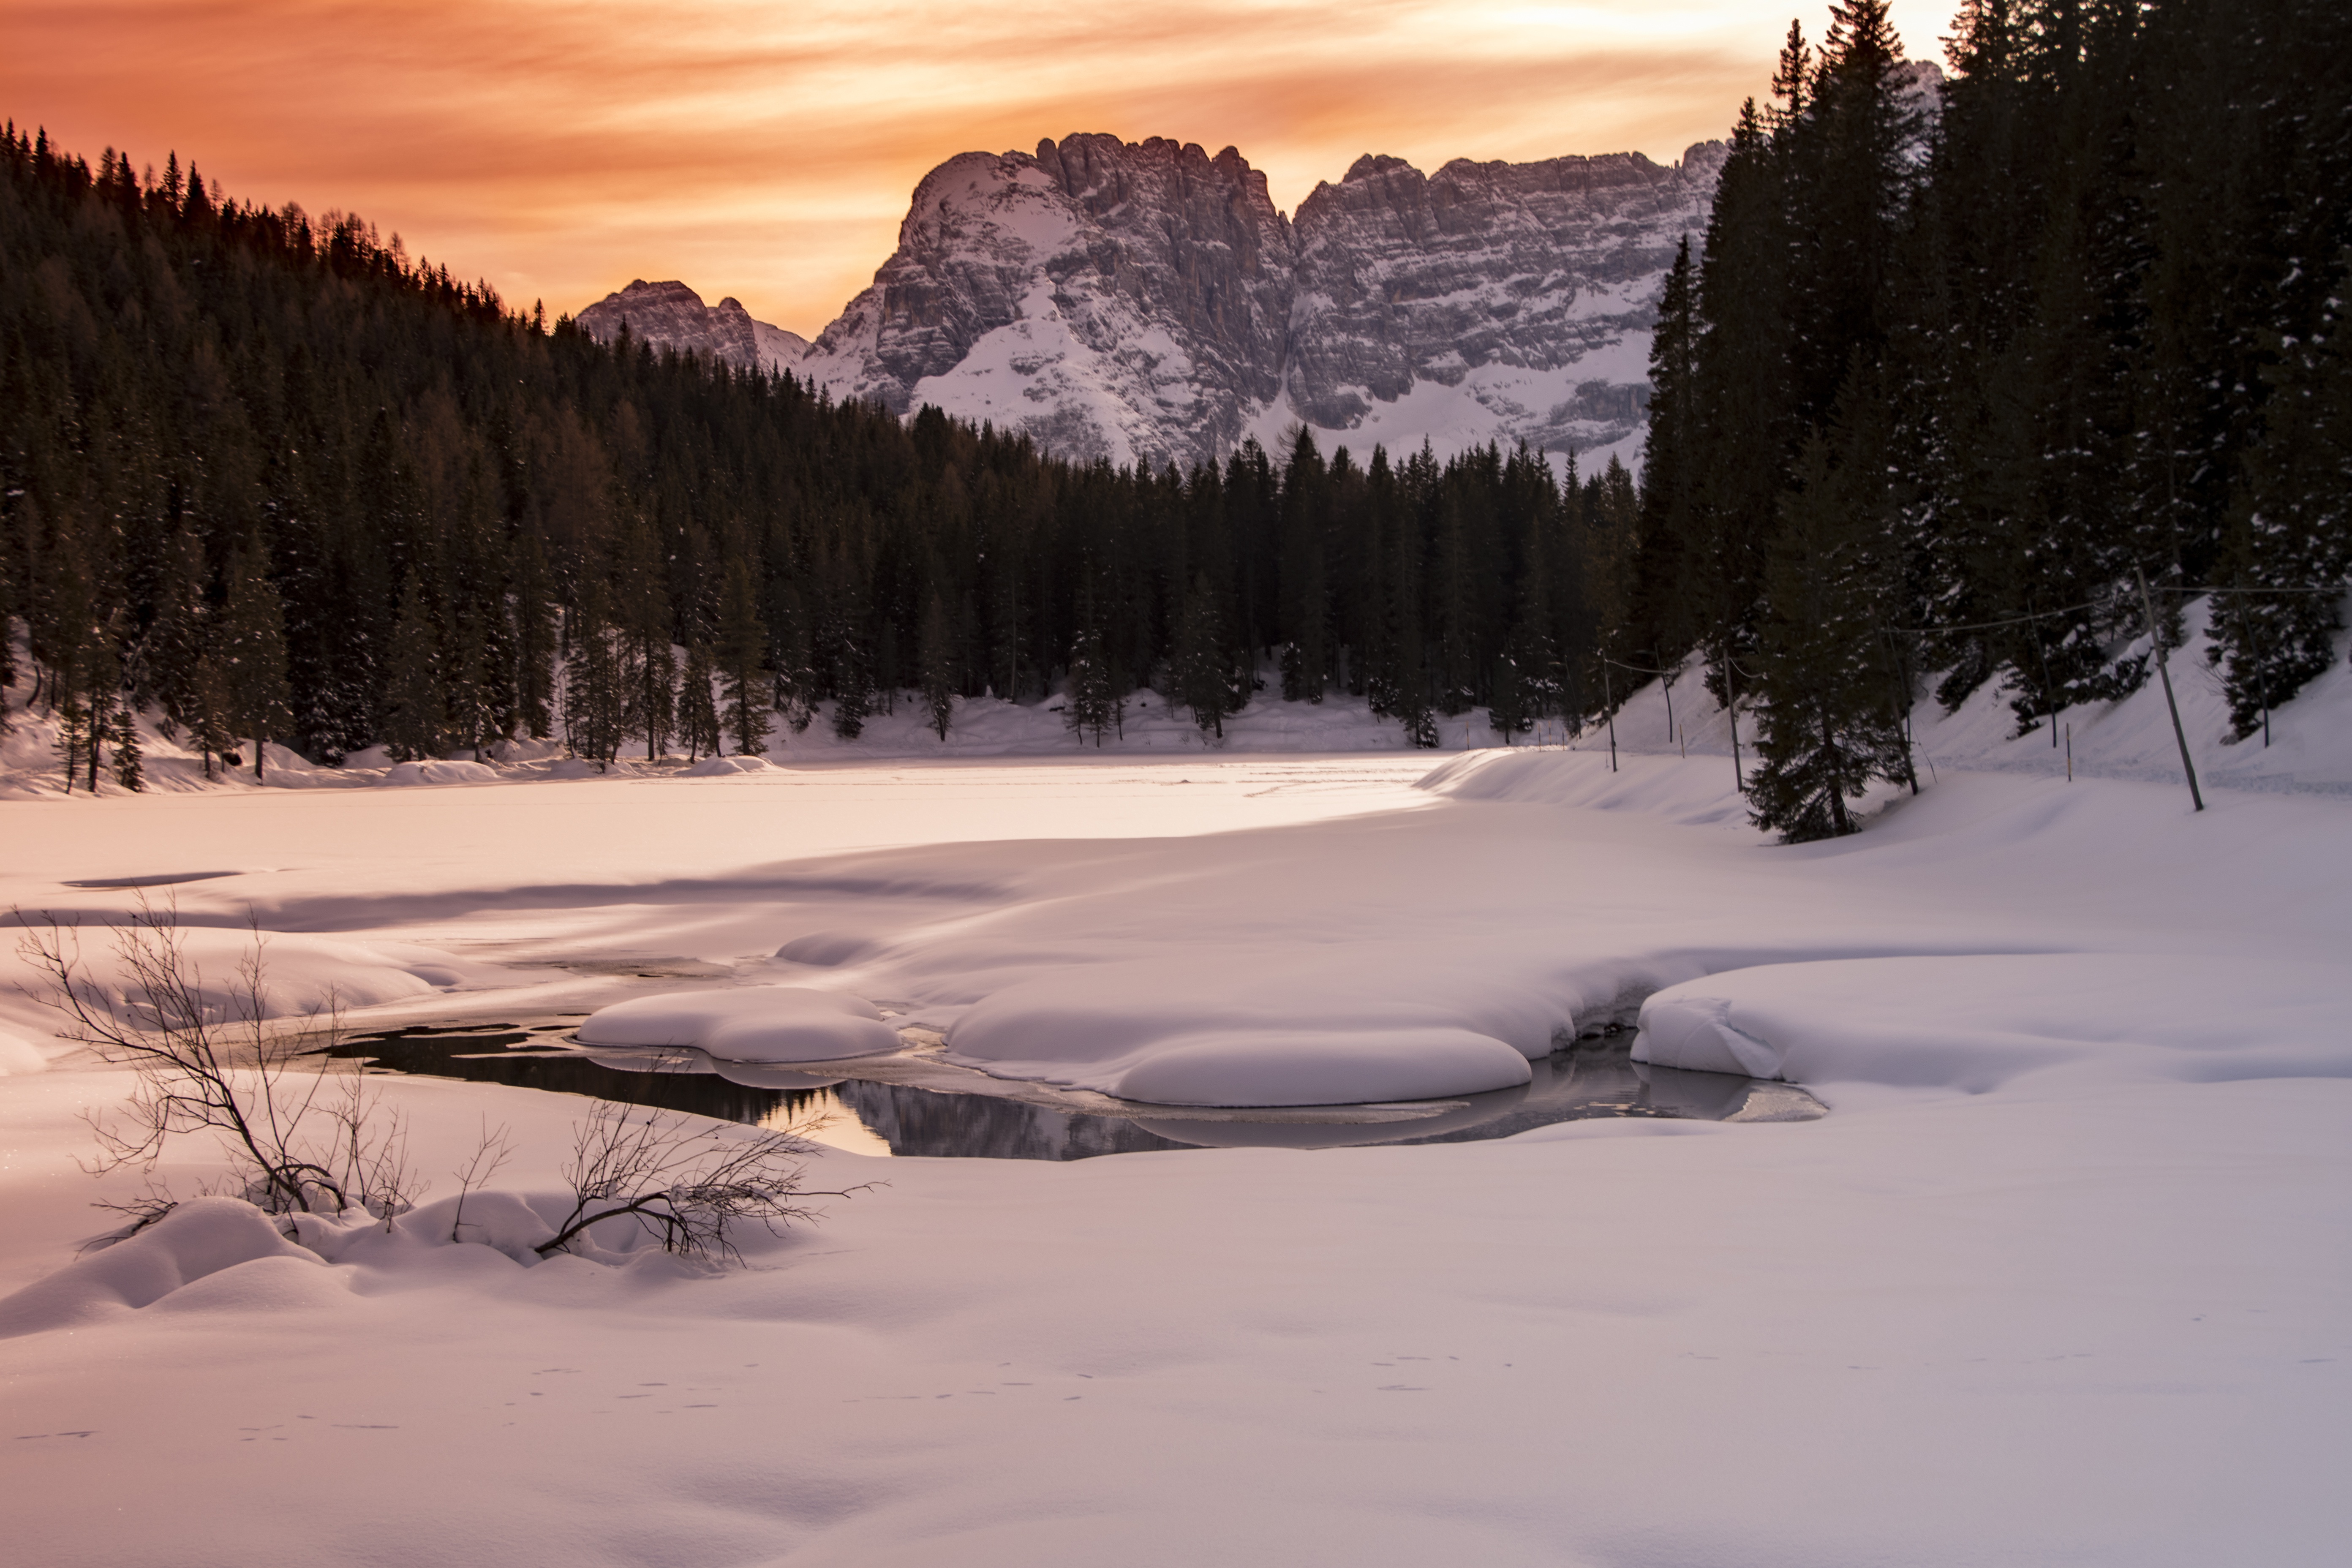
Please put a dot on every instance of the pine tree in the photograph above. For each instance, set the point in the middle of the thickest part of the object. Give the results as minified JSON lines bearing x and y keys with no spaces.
{"x":853,"y":691}
{"x":1201,"y":675}
{"x":7,"y":641}
{"x":937,"y":658}
{"x":75,"y":735}
{"x":1825,"y":685}
{"x":127,"y":771}
{"x":1092,"y":704}
{"x":250,"y":644}
{"x":698,"y":711}
{"x":595,"y":692}
{"x":210,"y":705}
{"x":743,"y":661}
{"x":1668,"y":546}
{"x":642,"y":613}
{"x":795,"y":665}
{"x":414,"y":718}
{"x":535,"y":616}
{"x":2290,"y":529}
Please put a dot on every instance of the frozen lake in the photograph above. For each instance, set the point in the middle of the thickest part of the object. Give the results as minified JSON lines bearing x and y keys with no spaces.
{"x":2059,"y":1279}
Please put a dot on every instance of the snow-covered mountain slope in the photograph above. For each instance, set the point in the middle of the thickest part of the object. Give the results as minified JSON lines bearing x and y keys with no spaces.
{"x":1146,"y":300}
{"x":1111,"y":298}
{"x":671,"y":315}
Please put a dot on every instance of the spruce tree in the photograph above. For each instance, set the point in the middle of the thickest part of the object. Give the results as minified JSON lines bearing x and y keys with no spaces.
{"x":743,"y":661}
{"x":414,"y":718}
{"x":250,"y":644}
{"x":1824,"y":685}
{"x":2289,"y":536}
{"x":1092,"y":704}
{"x":795,"y":664}
{"x":534,"y":641}
{"x":127,"y":771}
{"x":853,"y":690}
{"x":594,"y":687}
{"x":1667,"y":544}
{"x":642,"y":614}
{"x":937,"y":659}
{"x":698,"y":710}
{"x":1200,"y":676}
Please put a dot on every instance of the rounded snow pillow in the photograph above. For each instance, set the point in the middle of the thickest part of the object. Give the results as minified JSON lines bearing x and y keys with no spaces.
{"x":440,"y":772}
{"x":1696,"y":1033}
{"x":751,"y":1023}
{"x":1274,"y":1067}
{"x":719,"y":767}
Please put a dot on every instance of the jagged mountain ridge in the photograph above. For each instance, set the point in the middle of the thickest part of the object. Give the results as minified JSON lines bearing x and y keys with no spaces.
{"x":672,"y":315}
{"x":1146,"y":300}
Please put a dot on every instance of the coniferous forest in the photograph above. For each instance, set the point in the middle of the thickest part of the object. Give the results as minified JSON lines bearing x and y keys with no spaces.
{"x":268,"y":475}
{"x":1966,"y":385}
{"x":1957,"y":375}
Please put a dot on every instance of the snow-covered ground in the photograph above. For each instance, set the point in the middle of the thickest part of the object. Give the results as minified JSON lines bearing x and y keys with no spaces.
{"x":2059,"y":1280}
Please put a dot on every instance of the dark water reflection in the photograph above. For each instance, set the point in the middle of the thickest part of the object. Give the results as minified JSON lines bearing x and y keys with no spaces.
{"x":1595,"y":1077}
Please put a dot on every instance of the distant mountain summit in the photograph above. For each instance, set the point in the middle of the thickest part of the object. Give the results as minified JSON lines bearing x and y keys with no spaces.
{"x":671,"y":315}
{"x":1146,"y":301}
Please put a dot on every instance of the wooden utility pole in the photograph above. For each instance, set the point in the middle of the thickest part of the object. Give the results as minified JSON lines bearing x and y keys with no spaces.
{"x":2164,"y":673}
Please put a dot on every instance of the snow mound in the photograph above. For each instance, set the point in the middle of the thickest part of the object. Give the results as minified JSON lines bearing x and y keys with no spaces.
{"x":1979,"y":1023}
{"x":755,"y":1023}
{"x":1377,"y":1022}
{"x":438,"y":773}
{"x":19,"y":1056}
{"x":1274,"y":1067}
{"x":300,"y":974}
{"x":719,"y":767}
{"x":200,"y":1238}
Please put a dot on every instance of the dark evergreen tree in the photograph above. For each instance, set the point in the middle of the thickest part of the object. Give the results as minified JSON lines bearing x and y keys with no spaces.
{"x":250,"y":643}
{"x":128,"y":770}
{"x":1826,"y":688}
{"x":743,"y":662}
{"x":414,"y":721}
{"x":1201,"y":674}
{"x":1092,"y":705}
{"x":698,"y":710}
{"x":642,"y":618}
{"x":595,"y":681}
{"x":937,"y":663}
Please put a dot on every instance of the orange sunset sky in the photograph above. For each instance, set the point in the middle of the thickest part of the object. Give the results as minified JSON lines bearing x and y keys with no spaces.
{"x":558,"y":148}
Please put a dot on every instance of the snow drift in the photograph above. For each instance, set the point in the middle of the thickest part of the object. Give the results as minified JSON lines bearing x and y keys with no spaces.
{"x":755,"y":1023}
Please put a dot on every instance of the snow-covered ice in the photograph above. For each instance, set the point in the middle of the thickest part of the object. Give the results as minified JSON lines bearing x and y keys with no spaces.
{"x":2060,"y":1278}
{"x":753,"y":1023}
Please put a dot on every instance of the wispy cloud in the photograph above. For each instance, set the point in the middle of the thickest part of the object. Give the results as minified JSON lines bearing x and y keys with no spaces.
{"x":558,"y":148}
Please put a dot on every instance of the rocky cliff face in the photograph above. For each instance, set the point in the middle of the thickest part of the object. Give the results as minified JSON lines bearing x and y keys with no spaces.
{"x":1525,"y":292}
{"x":1112,"y":298}
{"x":1146,"y":301}
{"x":671,"y":315}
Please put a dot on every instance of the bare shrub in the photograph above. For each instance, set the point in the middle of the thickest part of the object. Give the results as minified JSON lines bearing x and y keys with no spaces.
{"x":303,"y":1131}
{"x":493,"y":1149}
{"x":306,"y":1133}
{"x":686,"y":1183}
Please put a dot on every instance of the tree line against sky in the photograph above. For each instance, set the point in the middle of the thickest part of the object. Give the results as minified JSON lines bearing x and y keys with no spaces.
{"x":1948,"y":379}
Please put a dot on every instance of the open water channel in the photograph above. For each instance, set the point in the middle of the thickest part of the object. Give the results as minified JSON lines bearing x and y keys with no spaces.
{"x":914,"y":1104}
